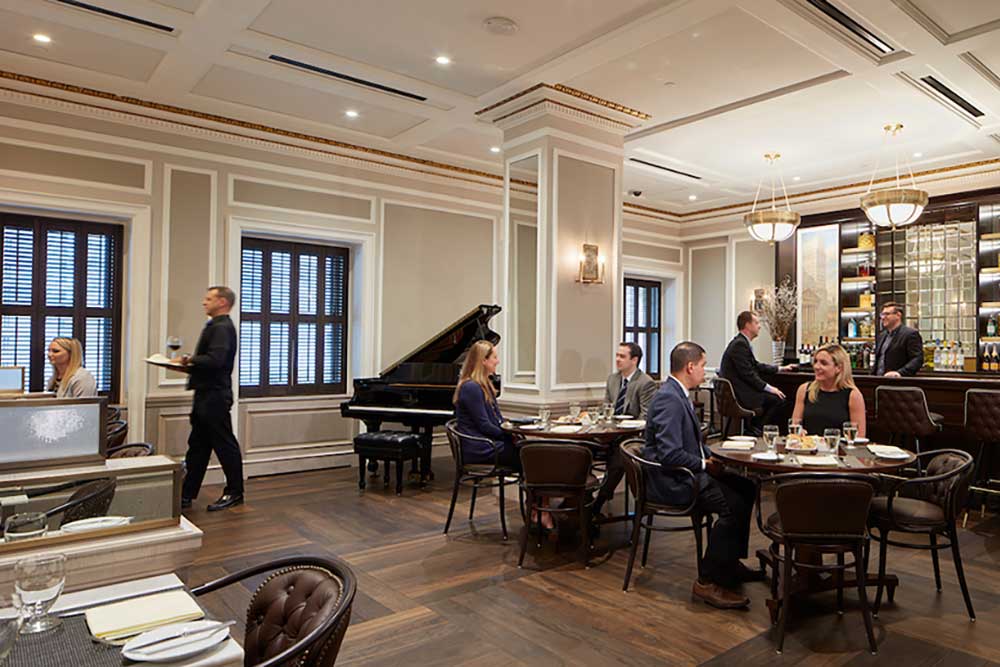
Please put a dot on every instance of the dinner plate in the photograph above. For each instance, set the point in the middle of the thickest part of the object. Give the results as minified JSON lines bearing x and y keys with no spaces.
{"x":172,"y":650}
{"x":632,"y":423}
{"x":96,"y":523}
{"x":857,"y":441}
{"x":892,"y":456}
{"x":531,"y":427}
{"x":744,"y":438}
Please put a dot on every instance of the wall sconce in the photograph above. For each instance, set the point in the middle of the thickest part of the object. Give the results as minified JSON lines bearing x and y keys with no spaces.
{"x":591,"y":266}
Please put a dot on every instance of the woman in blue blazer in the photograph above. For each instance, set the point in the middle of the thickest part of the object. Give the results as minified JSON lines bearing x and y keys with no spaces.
{"x":476,"y":409}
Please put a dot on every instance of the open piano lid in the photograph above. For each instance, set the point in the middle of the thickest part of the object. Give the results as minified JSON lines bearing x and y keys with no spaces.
{"x":451,"y":345}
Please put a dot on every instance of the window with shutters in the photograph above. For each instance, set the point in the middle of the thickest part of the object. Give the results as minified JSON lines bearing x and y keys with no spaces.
{"x":293,"y":318}
{"x":642,"y":322}
{"x":61,"y":278}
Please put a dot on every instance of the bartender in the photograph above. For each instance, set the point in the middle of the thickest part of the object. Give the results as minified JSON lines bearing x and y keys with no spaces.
{"x":899,"y":350}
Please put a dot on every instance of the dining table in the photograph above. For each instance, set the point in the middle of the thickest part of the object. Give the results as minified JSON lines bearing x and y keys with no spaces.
{"x":72,"y":644}
{"x":753,"y":462}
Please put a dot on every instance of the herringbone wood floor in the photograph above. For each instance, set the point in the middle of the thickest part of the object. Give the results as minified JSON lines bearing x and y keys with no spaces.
{"x":429,"y":599}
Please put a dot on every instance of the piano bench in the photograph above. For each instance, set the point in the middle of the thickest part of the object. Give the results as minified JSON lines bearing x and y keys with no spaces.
{"x":387,"y":447}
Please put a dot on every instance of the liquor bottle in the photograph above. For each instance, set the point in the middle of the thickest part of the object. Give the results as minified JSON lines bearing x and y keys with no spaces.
{"x":871,"y":357}
{"x":960,"y":358}
{"x":991,"y":326}
{"x":938,"y":363}
{"x":953,"y":357}
{"x":994,"y":358}
{"x":852,"y":328}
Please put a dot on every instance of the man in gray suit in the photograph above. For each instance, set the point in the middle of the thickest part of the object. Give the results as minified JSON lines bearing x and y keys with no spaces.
{"x":630,"y":390}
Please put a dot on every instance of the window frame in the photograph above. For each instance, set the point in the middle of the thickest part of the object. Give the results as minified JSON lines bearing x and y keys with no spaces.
{"x":38,"y":311}
{"x":293,"y":318}
{"x":648,"y":329}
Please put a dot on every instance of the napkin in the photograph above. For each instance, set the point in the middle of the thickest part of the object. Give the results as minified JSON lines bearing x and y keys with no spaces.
{"x":632,"y":423}
{"x":566,"y":428}
{"x":886,"y":450}
{"x":826,"y":460}
{"x":131,"y":617}
{"x":738,"y":444}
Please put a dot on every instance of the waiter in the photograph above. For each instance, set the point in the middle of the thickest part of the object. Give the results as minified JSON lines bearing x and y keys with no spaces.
{"x":210,"y":376}
{"x":899,"y":350}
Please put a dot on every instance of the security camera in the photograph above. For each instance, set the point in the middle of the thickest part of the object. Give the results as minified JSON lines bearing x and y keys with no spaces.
{"x":635,"y":193}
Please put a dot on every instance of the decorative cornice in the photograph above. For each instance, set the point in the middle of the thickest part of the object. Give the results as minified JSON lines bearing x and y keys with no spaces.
{"x":542,"y":106}
{"x":593,"y":99}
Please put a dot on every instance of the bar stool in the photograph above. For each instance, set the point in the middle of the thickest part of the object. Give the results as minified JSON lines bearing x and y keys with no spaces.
{"x":903,"y":412}
{"x":729,"y":407}
{"x":982,"y":422}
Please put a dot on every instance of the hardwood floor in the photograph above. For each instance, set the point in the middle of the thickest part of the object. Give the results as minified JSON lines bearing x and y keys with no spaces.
{"x":430,"y":599}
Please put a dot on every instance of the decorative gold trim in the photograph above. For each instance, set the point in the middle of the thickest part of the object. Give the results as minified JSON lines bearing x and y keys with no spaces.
{"x":546,"y":100}
{"x":620,"y":108}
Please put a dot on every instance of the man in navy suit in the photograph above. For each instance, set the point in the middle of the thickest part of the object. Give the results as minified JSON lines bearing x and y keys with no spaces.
{"x":673,"y":438}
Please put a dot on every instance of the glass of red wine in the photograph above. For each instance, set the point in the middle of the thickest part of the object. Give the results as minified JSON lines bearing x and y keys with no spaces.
{"x":174,"y":345}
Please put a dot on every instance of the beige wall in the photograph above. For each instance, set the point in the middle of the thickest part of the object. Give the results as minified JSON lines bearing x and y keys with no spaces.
{"x":584,"y":341}
{"x":655,"y":252}
{"x":437,"y":266}
{"x":754,"y":268}
{"x":707,"y":280}
{"x":526,"y":297}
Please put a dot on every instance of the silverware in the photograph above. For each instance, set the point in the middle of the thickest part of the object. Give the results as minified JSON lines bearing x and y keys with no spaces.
{"x":186,"y":634}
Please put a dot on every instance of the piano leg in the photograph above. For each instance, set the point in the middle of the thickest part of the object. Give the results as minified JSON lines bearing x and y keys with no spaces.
{"x":426,"y":434}
{"x":372,"y":425}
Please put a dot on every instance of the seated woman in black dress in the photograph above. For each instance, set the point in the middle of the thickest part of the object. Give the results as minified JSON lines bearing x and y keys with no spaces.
{"x":832,"y":398}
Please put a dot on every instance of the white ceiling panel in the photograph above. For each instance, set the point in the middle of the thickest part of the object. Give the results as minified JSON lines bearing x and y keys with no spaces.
{"x":958,"y":15}
{"x":405,"y":37}
{"x":190,"y":6}
{"x":77,"y":48}
{"x":469,"y":143}
{"x":239,"y":87}
{"x":730,"y":57}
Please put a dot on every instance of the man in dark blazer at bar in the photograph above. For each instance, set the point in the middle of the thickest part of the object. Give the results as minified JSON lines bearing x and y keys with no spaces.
{"x":899,"y":350}
{"x":673,"y":438}
{"x":210,"y":375}
{"x":741,"y":368}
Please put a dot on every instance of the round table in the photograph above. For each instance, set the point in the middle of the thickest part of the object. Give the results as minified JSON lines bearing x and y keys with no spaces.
{"x":850,"y":460}
{"x":601,"y":434}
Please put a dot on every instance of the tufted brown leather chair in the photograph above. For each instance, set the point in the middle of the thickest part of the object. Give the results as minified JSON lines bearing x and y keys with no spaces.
{"x":559,"y":468}
{"x":803,"y":519}
{"x":636,"y":470}
{"x":298,"y":615}
{"x":729,"y":407}
{"x":903,"y":412}
{"x":982,"y":424}
{"x":478,"y":475}
{"x":92,"y":499}
{"x":929,"y":506}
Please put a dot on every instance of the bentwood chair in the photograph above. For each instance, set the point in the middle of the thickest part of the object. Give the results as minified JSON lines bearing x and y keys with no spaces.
{"x":729,"y":406}
{"x":637,"y":470}
{"x":927,"y":506}
{"x":982,"y":424}
{"x":557,"y":468}
{"x":298,"y":615}
{"x":131,"y":450}
{"x":478,"y":475}
{"x":904,"y":413}
{"x":92,"y":499}
{"x":804,"y":521}
{"x":117,"y":432}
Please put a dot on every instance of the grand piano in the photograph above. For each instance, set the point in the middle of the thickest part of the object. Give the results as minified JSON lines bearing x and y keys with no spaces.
{"x":417,"y":390}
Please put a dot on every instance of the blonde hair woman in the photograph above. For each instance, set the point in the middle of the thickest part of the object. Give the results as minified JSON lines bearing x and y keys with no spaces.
{"x":832,"y":397}
{"x":69,"y":378}
{"x":476,"y":409}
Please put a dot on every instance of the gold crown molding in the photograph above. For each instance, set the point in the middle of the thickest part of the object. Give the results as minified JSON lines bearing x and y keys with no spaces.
{"x":587,"y":97}
{"x":246,"y":125}
{"x":617,"y":124}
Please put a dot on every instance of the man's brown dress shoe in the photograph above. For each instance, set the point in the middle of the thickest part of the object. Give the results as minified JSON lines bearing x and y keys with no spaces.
{"x":719,"y":597}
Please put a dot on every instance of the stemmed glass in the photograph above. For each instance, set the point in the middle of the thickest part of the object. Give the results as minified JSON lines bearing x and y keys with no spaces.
{"x":770,"y":434}
{"x":794,"y":428}
{"x":544,"y":414}
{"x":850,"y":432}
{"x":574,"y":411}
{"x":609,"y":411}
{"x":174,"y":345}
{"x":38,"y":583}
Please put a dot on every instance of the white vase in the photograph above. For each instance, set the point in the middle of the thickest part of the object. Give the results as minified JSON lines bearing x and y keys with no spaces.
{"x":778,"y":351}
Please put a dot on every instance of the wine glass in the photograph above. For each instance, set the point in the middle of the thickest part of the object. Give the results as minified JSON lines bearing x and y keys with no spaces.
{"x":574,"y":411}
{"x":543,"y":416}
{"x":25,"y":525}
{"x":794,"y":428}
{"x":38,"y":583}
{"x":850,"y":432}
{"x":174,"y":345}
{"x":609,"y":411}
{"x":770,"y":433}
{"x":832,"y":438}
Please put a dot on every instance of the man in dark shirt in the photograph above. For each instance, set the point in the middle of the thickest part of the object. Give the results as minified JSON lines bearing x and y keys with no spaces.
{"x":210,"y":371}
{"x":899,"y":350}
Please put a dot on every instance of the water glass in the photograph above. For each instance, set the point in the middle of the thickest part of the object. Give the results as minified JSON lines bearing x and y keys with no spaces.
{"x":771,"y":432}
{"x":574,"y":411}
{"x":832,"y":438}
{"x":544,"y":414}
{"x":609,"y":411}
{"x":794,"y":427}
{"x":25,"y":525}
{"x":38,"y":583}
{"x":850,"y":432}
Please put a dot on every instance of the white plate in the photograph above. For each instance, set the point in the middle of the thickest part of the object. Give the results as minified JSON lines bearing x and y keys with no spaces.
{"x":744,"y":438}
{"x":621,"y":417}
{"x":530,"y":427}
{"x":96,"y":523}
{"x":857,"y":441}
{"x":766,"y":456}
{"x":893,"y":456}
{"x":172,"y":650}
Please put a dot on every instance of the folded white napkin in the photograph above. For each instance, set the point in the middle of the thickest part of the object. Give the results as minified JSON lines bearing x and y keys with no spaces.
{"x":890,"y":450}
{"x":738,"y":444}
{"x":826,"y":460}
{"x":632,"y":423}
{"x":566,"y":428}
{"x":131,"y":617}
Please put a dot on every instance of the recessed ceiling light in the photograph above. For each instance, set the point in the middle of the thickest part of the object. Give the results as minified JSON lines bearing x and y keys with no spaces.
{"x":41,"y":39}
{"x":692,"y":197}
{"x":918,"y":155}
{"x":494,"y":149}
{"x":351,"y":113}
{"x":500,"y":25}
{"x":796,"y":178}
{"x":443,"y":60}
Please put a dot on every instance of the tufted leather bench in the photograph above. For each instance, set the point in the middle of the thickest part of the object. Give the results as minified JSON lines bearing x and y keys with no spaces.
{"x":386,"y":446}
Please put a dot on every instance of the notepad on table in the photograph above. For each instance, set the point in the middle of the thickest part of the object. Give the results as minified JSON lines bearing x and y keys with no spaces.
{"x":132,"y":617}
{"x":738,"y":444}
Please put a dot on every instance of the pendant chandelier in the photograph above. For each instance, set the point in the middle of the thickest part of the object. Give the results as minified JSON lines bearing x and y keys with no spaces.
{"x":774,"y":223}
{"x":896,"y":206}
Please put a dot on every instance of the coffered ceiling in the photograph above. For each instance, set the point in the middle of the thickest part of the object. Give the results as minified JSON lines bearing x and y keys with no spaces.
{"x":723,"y":80}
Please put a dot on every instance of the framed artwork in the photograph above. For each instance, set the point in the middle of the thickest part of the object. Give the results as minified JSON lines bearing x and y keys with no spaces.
{"x":817,"y":268}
